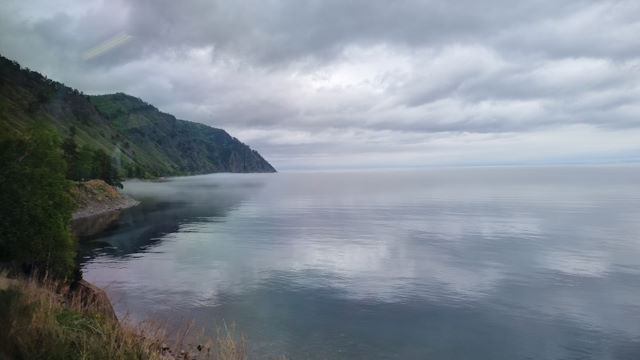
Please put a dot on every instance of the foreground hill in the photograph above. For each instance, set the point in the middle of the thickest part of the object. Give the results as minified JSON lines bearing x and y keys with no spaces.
{"x":142,"y":140}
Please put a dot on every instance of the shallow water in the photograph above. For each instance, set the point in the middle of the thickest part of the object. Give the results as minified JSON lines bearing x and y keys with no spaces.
{"x":478,"y":263}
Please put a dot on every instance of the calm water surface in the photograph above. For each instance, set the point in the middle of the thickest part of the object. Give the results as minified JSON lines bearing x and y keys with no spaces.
{"x":486,"y":263}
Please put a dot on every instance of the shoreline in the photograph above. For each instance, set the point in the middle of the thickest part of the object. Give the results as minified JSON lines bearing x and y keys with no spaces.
{"x":104,"y":207}
{"x":96,"y":197}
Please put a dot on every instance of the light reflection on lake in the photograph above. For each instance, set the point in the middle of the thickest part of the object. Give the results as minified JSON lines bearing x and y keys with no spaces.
{"x":485,"y":263}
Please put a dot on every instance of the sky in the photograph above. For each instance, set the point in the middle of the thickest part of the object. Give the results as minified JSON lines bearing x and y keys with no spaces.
{"x":357,"y":84}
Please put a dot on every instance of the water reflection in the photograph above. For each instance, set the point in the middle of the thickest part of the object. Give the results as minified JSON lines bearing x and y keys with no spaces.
{"x":85,"y":228}
{"x":465,"y":263}
{"x":166,"y":207}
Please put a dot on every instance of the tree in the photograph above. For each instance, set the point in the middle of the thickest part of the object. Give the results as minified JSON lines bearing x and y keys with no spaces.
{"x":103,"y":168}
{"x":36,"y":204}
{"x":70,"y":154}
{"x":84,"y":163}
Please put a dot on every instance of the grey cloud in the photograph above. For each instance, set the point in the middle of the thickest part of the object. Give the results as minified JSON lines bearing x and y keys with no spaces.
{"x":277,"y":30}
{"x":600,"y":29}
{"x":351,"y":81}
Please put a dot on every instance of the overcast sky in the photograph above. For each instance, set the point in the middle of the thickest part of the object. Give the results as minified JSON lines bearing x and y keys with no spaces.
{"x":326,"y":84}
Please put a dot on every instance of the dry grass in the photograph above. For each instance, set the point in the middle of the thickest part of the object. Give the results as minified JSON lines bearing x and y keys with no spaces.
{"x":41,"y":320}
{"x":92,"y":191}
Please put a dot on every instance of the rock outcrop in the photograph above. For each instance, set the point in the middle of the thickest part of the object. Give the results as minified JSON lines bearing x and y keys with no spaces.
{"x":92,"y":297}
{"x":96,"y":197}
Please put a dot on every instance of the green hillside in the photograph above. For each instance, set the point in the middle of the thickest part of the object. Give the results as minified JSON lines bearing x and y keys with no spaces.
{"x":141,"y":139}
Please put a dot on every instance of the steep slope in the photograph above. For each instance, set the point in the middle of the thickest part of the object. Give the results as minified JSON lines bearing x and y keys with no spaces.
{"x":177,"y":145}
{"x":137,"y":134}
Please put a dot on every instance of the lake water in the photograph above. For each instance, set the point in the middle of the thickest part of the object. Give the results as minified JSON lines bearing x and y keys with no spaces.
{"x":477,"y":263}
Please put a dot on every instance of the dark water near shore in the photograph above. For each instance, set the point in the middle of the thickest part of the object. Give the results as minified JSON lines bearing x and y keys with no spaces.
{"x":486,"y":263}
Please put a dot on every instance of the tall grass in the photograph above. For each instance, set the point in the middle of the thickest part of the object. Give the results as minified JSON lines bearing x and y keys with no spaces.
{"x":41,"y":319}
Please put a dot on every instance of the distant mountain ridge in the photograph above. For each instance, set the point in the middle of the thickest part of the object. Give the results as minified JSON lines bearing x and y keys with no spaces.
{"x":141,"y":139}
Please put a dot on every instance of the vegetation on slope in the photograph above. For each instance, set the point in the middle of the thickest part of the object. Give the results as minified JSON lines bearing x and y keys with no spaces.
{"x":175,"y":146}
{"x":88,"y":163}
{"x":141,"y":140}
{"x":36,"y":204}
{"x":45,"y":320}
{"x":41,"y":316}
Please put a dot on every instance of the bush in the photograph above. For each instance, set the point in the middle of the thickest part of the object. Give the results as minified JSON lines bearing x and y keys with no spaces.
{"x":36,"y":204}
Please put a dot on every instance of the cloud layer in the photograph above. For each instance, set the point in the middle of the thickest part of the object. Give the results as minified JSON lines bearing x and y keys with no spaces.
{"x":350,"y":84}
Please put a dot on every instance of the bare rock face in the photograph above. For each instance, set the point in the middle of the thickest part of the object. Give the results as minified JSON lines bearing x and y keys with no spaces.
{"x":92,"y":296}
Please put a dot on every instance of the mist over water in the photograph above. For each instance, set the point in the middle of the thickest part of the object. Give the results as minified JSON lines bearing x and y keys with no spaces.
{"x":482,"y":263}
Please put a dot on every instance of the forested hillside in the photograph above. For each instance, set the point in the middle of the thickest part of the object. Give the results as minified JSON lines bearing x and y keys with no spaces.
{"x":141,"y":140}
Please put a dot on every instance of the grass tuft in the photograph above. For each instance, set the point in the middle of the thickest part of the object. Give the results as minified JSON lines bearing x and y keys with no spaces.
{"x":42,"y":320}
